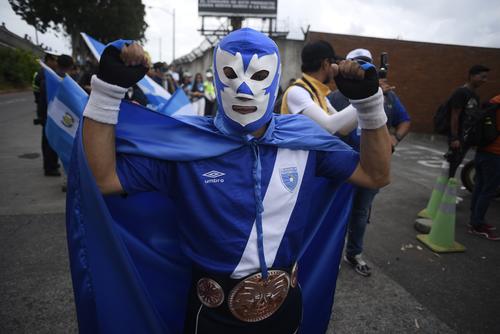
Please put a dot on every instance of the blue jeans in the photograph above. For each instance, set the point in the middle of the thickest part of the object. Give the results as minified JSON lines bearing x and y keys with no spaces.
{"x":487,"y":181}
{"x":360,"y":216}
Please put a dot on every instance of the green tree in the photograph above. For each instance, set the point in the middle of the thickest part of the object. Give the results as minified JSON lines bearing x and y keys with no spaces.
{"x":106,"y":20}
{"x":16,"y":68}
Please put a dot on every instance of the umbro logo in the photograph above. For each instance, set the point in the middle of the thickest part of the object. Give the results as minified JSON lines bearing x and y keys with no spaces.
{"x":214,"y":176}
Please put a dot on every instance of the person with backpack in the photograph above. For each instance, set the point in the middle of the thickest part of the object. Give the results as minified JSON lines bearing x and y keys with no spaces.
{"x":460,"y":108}
{"x":487,"y":180}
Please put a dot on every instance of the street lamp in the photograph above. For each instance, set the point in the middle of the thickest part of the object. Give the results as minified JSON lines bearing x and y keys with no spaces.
{"x":172,"y":12}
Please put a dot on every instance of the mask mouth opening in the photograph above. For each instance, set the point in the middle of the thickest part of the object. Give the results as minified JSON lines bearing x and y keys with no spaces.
{"x":244,"y":110}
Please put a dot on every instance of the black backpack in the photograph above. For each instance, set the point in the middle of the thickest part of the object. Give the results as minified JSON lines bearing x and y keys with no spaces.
{"x":480,"y":126}
{"x":442,"y":119}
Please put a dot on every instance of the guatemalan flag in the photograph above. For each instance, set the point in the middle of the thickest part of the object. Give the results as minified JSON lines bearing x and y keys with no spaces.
{"x":66,"y":101}
{"x":157,"y":95}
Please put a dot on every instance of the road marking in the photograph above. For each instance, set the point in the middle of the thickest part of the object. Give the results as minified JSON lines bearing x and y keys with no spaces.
{"x":434,"y":163}
{"x":12,"y":101}
{"x":428,"y":149}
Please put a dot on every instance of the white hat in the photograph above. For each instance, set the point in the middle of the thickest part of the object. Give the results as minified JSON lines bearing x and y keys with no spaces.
{"x":209,"y":74}
{"x":362,"y":54}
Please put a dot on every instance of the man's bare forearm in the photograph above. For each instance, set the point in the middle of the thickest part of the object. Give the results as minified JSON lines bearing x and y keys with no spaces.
{"x":455,"y":113}
{"x":99,"y":146}
{"x":375,"y":155}
{"x":402,"y":129}
{"x":121,"y":66}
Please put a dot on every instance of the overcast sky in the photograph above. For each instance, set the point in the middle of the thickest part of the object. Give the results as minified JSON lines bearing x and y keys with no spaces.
{"x":464,"y":22}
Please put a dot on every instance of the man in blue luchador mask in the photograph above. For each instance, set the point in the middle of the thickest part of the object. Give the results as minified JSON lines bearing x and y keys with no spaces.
{"x":244,"y":198}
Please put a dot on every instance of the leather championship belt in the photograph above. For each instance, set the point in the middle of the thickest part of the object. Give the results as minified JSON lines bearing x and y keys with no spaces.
{"x":253,"y":298}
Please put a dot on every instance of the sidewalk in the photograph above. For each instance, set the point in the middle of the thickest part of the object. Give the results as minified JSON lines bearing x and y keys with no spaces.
{"x":378,"y":304}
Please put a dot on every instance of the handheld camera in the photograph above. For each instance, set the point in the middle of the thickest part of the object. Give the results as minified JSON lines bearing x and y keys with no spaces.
{"x":384,"y":65}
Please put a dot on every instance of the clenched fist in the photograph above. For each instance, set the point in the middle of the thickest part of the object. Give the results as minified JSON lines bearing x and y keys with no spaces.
{"x":356,"y":80}
{"x":123,"y":63}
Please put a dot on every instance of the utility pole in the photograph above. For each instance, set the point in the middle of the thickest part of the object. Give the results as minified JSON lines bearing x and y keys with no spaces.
{"x":172,"y":13}
{"x":36,"y":35}
{"x":173,"y":34}
{"x":160,"y":50}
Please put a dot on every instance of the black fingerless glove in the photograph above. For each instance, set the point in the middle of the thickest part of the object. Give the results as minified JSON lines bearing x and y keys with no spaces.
{"x":114,"y":71}
{"x":359,"y":89}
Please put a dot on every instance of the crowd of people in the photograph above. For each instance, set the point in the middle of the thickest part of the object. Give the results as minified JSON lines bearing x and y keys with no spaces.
{"x":462,"y":108}
{"x":310,"y":95}
{"x":365,"y":113}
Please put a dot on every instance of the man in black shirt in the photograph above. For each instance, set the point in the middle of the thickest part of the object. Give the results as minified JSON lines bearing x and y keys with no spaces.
{"x":463,"y":101}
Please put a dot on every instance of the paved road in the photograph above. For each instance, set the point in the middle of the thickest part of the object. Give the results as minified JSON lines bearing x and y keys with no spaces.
{"x":411,"y":290}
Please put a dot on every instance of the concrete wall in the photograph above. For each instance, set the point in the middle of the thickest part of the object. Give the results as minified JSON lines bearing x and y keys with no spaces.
{"x":289,"y":53}
{"x":199,"y":65}
{"x":424,"y":74}
{"x":290,"y":59}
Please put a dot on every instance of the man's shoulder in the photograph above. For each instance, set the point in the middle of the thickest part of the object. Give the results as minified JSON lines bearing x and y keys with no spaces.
{"x":295,"y":123}
{"x":301,"y":132}
{"x":303,"y":129}
{"x":462,"y":91}
{"x":461,"y":96}
{"x":393,"y":98}
{"x":297,"y":99}
{"x":298,"y":90}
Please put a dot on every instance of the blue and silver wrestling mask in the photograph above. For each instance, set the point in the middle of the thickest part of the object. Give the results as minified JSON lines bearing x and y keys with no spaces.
{"x":247,"y":71}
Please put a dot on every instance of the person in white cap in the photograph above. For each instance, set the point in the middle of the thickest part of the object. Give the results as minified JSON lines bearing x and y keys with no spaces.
{"x":398,"y":121}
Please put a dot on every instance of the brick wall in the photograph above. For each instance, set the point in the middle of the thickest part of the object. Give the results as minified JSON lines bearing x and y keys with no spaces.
{"x":424,"y":73}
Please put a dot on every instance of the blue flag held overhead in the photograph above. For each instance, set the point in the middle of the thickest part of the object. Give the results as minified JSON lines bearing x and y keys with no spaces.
{"x":157,"y":95}
{"x":66,"y":101}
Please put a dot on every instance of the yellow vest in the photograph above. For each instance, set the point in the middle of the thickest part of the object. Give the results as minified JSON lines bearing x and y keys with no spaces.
{"x":316,"y":89}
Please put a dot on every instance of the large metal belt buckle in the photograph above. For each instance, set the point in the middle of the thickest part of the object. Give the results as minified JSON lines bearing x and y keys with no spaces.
{"x":209,"y":292}
{"x":255,"y":299}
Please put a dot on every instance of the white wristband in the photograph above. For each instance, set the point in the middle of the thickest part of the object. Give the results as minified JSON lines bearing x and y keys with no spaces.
{"x":371,"y":114}
{"x":104,"y":101}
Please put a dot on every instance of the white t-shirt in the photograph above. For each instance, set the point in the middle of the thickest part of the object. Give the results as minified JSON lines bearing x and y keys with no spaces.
{"x":174,"y":75}
{"x":299,"y":99}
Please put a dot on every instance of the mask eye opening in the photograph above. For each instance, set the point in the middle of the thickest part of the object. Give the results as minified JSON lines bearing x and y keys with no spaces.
{"x":229,"y":72}
{"x":260,"y":75}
